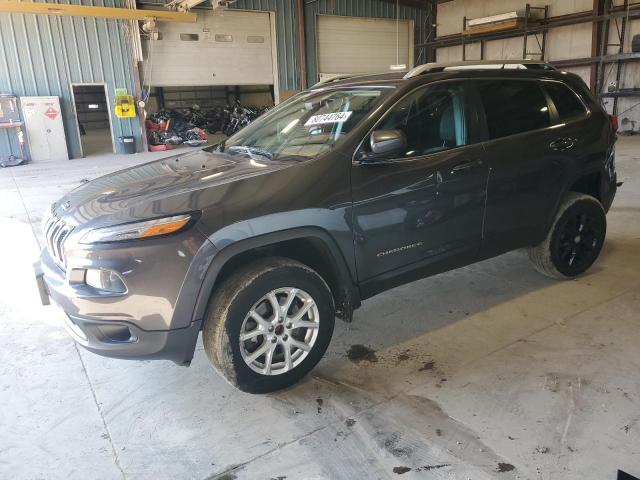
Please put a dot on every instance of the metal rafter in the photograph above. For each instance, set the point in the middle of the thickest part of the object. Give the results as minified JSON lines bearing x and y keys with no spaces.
{"x":61,"y":9}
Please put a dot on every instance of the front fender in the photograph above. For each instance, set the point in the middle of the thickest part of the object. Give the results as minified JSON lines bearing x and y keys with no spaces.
{"x":242,"y":237}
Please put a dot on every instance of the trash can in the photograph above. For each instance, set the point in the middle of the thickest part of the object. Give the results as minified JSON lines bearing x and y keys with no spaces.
{"x":126,"y":145}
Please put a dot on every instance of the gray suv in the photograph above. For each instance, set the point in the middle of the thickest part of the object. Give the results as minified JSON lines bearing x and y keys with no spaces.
{"x":346,"y":190}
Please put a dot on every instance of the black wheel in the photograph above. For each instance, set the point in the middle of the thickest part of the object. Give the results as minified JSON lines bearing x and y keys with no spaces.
{"x":269,"y":324}
{"x":574,"y":240}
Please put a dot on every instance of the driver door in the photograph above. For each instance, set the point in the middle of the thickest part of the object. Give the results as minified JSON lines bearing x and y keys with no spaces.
{"x":419,"y":210}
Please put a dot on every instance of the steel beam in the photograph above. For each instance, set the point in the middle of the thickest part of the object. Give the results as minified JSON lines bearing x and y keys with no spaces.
{"x":61,"y":9}
{"x":579,"y":62}
{"x":302,"y":44}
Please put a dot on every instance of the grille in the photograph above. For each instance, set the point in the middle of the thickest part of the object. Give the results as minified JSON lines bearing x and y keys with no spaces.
{"x":55,"y":233}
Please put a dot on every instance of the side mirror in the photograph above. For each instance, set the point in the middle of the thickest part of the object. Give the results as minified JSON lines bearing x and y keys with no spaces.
{"x":388,"y":141}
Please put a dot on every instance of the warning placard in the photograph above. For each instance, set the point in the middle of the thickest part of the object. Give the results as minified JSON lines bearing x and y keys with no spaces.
{"x":51,"y":112}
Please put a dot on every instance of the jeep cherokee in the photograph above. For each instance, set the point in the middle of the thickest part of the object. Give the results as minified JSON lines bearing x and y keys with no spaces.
{"x":346,"y":190}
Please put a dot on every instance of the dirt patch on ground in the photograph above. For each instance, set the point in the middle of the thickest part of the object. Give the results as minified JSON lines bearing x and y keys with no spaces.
{"x":361,"y":353}
{"x":505,"y":467}
{"x":427,"y":366}
{"x":401,"y":470}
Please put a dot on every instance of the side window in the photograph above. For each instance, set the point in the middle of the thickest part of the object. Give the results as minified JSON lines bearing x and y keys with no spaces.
{"x":432,"y":118}
{"x":566,"y":101}
{"x":513,"y":106}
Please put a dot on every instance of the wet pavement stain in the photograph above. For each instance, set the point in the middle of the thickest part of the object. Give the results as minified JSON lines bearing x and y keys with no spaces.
{"x":401,"y":470}
{"x":227,"y":476}
{"x":391,"y":446}
{"x":426,"y":468}
{"x":505,"y":467}
{"x":403,"y":357}
{"x":349,"y":422}
{"x":427,"y":366}
{"x":361,"y":353}
{"x":319,"y":401}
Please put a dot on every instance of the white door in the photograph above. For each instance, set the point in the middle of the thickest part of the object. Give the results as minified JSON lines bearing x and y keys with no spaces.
{"x":362,"y":45}
{"x":45,"y":131}
{"x":222,"y":48}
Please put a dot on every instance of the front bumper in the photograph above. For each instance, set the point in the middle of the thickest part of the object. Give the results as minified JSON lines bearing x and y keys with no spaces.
{"x":149,"y":321}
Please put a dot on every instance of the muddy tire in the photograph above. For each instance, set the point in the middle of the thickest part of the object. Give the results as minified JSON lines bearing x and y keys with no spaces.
{"x":574,"y":240}
{"x":269,"y":324}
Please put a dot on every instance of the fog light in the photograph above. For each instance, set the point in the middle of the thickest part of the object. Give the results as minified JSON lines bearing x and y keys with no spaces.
{"x":104,"y":280}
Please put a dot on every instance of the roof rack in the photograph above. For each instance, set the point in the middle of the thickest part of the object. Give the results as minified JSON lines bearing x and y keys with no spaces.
{"x":334,"y":78}
{"x":479,"y":65}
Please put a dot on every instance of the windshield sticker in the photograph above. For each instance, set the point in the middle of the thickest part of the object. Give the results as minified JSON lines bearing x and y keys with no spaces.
{"x":337,"y":117}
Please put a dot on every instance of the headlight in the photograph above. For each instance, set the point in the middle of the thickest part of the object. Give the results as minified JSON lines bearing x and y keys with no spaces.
{"x":137,"y":230}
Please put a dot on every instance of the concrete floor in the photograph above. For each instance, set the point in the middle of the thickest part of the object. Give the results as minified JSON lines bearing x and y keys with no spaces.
{"x":490,"y":371}
{"x":97,"y":142}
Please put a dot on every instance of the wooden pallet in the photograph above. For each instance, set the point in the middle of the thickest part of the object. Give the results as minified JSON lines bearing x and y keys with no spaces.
{"x":505,"y":25}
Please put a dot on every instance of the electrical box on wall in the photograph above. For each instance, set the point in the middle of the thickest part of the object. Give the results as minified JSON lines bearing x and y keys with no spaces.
{"x":45,"y":131}
{"x":125,"y":106}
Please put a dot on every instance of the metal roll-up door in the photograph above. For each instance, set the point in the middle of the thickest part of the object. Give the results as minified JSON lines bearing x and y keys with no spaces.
{"x":362,"y":45}
{"x":227,"y":48}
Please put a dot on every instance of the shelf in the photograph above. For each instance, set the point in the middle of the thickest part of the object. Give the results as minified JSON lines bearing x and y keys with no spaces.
{"x":11,"y":125}
{"x":623,"y":92}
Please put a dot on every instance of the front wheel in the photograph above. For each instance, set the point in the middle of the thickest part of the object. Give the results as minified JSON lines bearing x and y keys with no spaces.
{"x":269,"y":324}
{"x":574,"y":240}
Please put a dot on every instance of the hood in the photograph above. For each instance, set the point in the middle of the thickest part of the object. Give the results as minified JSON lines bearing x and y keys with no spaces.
{"x":161,"y":187}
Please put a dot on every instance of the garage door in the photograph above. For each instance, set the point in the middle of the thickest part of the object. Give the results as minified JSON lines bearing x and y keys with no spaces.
{"x":362,"y":45}
{"x":228,"y":48}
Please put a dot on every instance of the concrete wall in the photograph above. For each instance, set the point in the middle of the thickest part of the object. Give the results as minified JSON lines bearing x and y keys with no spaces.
{"x":562,"y":43}
{"x":44,"y":55}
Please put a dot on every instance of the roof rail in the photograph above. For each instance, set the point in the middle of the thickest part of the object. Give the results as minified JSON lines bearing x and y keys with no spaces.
{"x":479,"y":65}
{"x":334,"y":78}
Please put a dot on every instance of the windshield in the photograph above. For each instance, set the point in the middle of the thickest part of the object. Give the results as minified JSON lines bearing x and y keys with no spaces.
{"x":305,"y":126}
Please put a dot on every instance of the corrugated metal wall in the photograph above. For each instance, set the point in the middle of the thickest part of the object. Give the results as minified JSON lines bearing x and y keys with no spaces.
{"x":43,"y":55}
{"x":287,"y":37}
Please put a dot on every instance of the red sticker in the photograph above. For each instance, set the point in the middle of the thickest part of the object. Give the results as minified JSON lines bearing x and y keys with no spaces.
{"x":51,"y":112}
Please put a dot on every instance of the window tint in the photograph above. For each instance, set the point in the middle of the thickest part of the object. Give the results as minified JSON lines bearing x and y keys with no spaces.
{"x":432,"y":118}
{"x":513,"y":106}
{"x":567,"y":103}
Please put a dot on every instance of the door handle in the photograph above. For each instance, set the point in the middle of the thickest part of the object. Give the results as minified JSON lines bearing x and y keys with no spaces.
{"x":466,"y":165}
{"x":562,"y":144}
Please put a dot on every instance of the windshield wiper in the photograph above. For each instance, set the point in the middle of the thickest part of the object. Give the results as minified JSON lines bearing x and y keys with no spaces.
{"x":252,"y":150}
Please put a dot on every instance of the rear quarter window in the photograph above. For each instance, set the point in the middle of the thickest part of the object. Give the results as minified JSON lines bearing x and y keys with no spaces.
{"x":567,"y":103}
{"x":513,"y":106}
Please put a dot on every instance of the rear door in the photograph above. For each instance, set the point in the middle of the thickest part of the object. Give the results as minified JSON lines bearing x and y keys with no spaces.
{"x":526,"y":172}
{"x":421,"y":208}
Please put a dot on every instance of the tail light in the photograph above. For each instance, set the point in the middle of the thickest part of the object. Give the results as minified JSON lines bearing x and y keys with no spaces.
{"x":614,"y":123}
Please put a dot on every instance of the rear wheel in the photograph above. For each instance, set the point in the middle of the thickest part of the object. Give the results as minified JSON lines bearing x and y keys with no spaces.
{"x":574,"y":240}
{"x":269,"y":324}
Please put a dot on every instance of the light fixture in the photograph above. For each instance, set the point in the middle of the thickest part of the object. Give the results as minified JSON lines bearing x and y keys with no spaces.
{"x":137,"y":230}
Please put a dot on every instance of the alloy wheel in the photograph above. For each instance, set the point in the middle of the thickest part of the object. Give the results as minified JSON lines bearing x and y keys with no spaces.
{"x":578,"y":242}
{"x":279,"y":331}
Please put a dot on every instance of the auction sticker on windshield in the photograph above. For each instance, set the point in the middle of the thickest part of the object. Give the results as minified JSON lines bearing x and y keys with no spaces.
{"x":336,"y":117}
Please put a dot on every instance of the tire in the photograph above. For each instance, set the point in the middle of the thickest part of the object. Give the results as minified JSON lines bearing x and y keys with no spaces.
{"x":574,"y":240}
{"x":248,"y":290}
